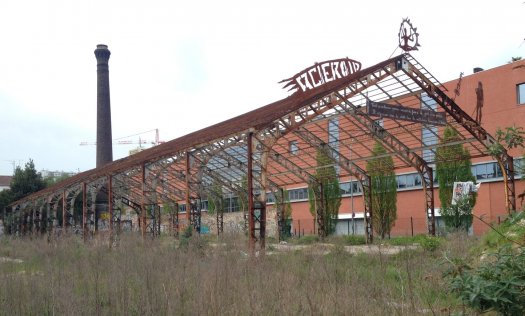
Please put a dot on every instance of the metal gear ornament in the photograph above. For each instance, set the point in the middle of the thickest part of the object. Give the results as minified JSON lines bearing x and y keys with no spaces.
{"x":408,"y":36}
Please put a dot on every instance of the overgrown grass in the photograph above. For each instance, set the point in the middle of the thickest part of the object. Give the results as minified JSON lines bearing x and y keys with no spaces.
{"x":210,"y":276}
{"x":510,"y":231}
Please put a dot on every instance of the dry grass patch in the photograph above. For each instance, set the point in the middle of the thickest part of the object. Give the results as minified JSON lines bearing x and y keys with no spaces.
{"x":163,"y":277}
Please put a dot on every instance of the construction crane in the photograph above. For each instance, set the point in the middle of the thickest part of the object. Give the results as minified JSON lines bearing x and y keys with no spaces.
{"x":140,"y":142}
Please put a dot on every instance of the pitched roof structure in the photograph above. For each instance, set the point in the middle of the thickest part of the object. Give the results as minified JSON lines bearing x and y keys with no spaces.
{"x":254,"y":147}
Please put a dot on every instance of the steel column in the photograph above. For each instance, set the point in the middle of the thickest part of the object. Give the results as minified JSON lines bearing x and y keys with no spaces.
{"x":84,"y":211}
{"x":143,"y":201}
{"x":251,"y":210}
{"x":188,"y":202}
{"x":110,"y":206}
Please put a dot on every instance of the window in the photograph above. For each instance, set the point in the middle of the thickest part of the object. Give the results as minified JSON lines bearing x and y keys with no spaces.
{"x":417,"y":180}
{"x":294,"y":148}
{"x":429,"y":138}
{"x":481,"y":171}
{"x":356,"y":188}
{"x":345,"y":188}
{"x":401,"y":182}
{"x":333,"y":138}
{"x":428,"y":134}
{"x":298,"y":194}
{"x":520,"y":92}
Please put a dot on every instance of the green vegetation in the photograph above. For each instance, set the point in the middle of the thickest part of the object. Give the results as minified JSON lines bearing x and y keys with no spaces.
{"x":325,"y":194}
{"x":215,"y":198}
{"x":428,"y":243}
{"x":493,"y":278}
{"x":25,"y":181}
{"x":282,"y":204}
{"x":453,"y":164}
{"x":384,"y":190}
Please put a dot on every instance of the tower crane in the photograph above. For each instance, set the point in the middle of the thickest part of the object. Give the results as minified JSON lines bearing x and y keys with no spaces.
{"x":140,"y":142}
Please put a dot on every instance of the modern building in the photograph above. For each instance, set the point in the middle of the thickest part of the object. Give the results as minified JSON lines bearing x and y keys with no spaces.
{"x":495,"y":98}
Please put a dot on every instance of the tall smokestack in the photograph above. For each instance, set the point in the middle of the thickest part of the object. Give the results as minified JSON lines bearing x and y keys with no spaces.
{"x":104,"y":143}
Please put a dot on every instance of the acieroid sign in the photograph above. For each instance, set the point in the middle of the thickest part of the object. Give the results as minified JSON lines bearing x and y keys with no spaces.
{"x":321,"y":73}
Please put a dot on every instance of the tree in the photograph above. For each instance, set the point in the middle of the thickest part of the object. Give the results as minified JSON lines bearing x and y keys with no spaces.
{"x":452,"y":165}
{"x":52,"y":180}
{"x":325,"y":194}
{"x":26,"y":181}
{"x":384,"y":190}
{"x":215,"y":198}
{"x":282,"y":204}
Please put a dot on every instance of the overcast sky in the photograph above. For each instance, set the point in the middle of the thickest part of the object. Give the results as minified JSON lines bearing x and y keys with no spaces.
{"x":180,"y":66}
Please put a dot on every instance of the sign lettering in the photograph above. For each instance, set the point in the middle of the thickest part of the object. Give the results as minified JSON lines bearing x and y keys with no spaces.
{"x":320,"y":74}
{"x":404,"y":113}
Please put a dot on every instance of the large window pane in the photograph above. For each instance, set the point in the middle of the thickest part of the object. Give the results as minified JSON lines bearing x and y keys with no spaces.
{"x":520,"y":91}
{"x":401,"y":182}
{"x":481,"y":171}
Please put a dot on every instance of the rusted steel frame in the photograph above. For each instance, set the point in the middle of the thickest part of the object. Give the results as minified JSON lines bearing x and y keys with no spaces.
{"x":156,"y":171}
{"x":287,"y":124}
{"x":165,"y":169}
{"x":288,"y":164}
{"x":404,"y":153}
{"x":353,"y":169}
{"x":505,"y":160}
{"x":411,"y":158}
{"x":84,"y":211}
{"x":280,"y":210}
{"x":110,"y":207}
{"x":35,"y":220}
{"x":69,"y":205}
{"x":406,"y":130}
{"x":64,"y":211}
{"x":54,"y":209}
{"x":168,"y":194}
{"x":188,"y":193}
{"x":220,"y":152}
{"x":234,"y":161}
{"x":251,"y":210}
{"x":89,"y":197}
{"x":15,"y":211}
{"x":130,"y":184}
{"x":308,"y":178}
{"x":40,"y":216}
{"x":232,"y":185}
{"x":25,"y":217}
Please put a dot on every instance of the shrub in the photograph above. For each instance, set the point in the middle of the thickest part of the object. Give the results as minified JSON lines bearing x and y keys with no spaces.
{"x":307,"y":239}
{"x":497,"y":284}
{"x":430,"y":243}
{"x":354,"y":240}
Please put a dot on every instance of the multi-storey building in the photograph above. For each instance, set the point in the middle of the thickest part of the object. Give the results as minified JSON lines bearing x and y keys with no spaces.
{"x":496,"y":98}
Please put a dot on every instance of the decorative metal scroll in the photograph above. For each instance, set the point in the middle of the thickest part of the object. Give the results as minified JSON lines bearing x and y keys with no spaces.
{"x":320,"y":74}
{"x":408,"y":36}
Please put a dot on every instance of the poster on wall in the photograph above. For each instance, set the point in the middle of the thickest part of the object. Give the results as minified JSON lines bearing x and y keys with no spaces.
{"x":463,"y":189}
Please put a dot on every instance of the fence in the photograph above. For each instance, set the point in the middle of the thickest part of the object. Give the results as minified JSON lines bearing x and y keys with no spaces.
{"x":405,"y":226}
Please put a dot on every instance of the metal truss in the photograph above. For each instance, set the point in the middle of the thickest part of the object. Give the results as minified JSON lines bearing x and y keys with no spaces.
{"x":250,"y":156}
